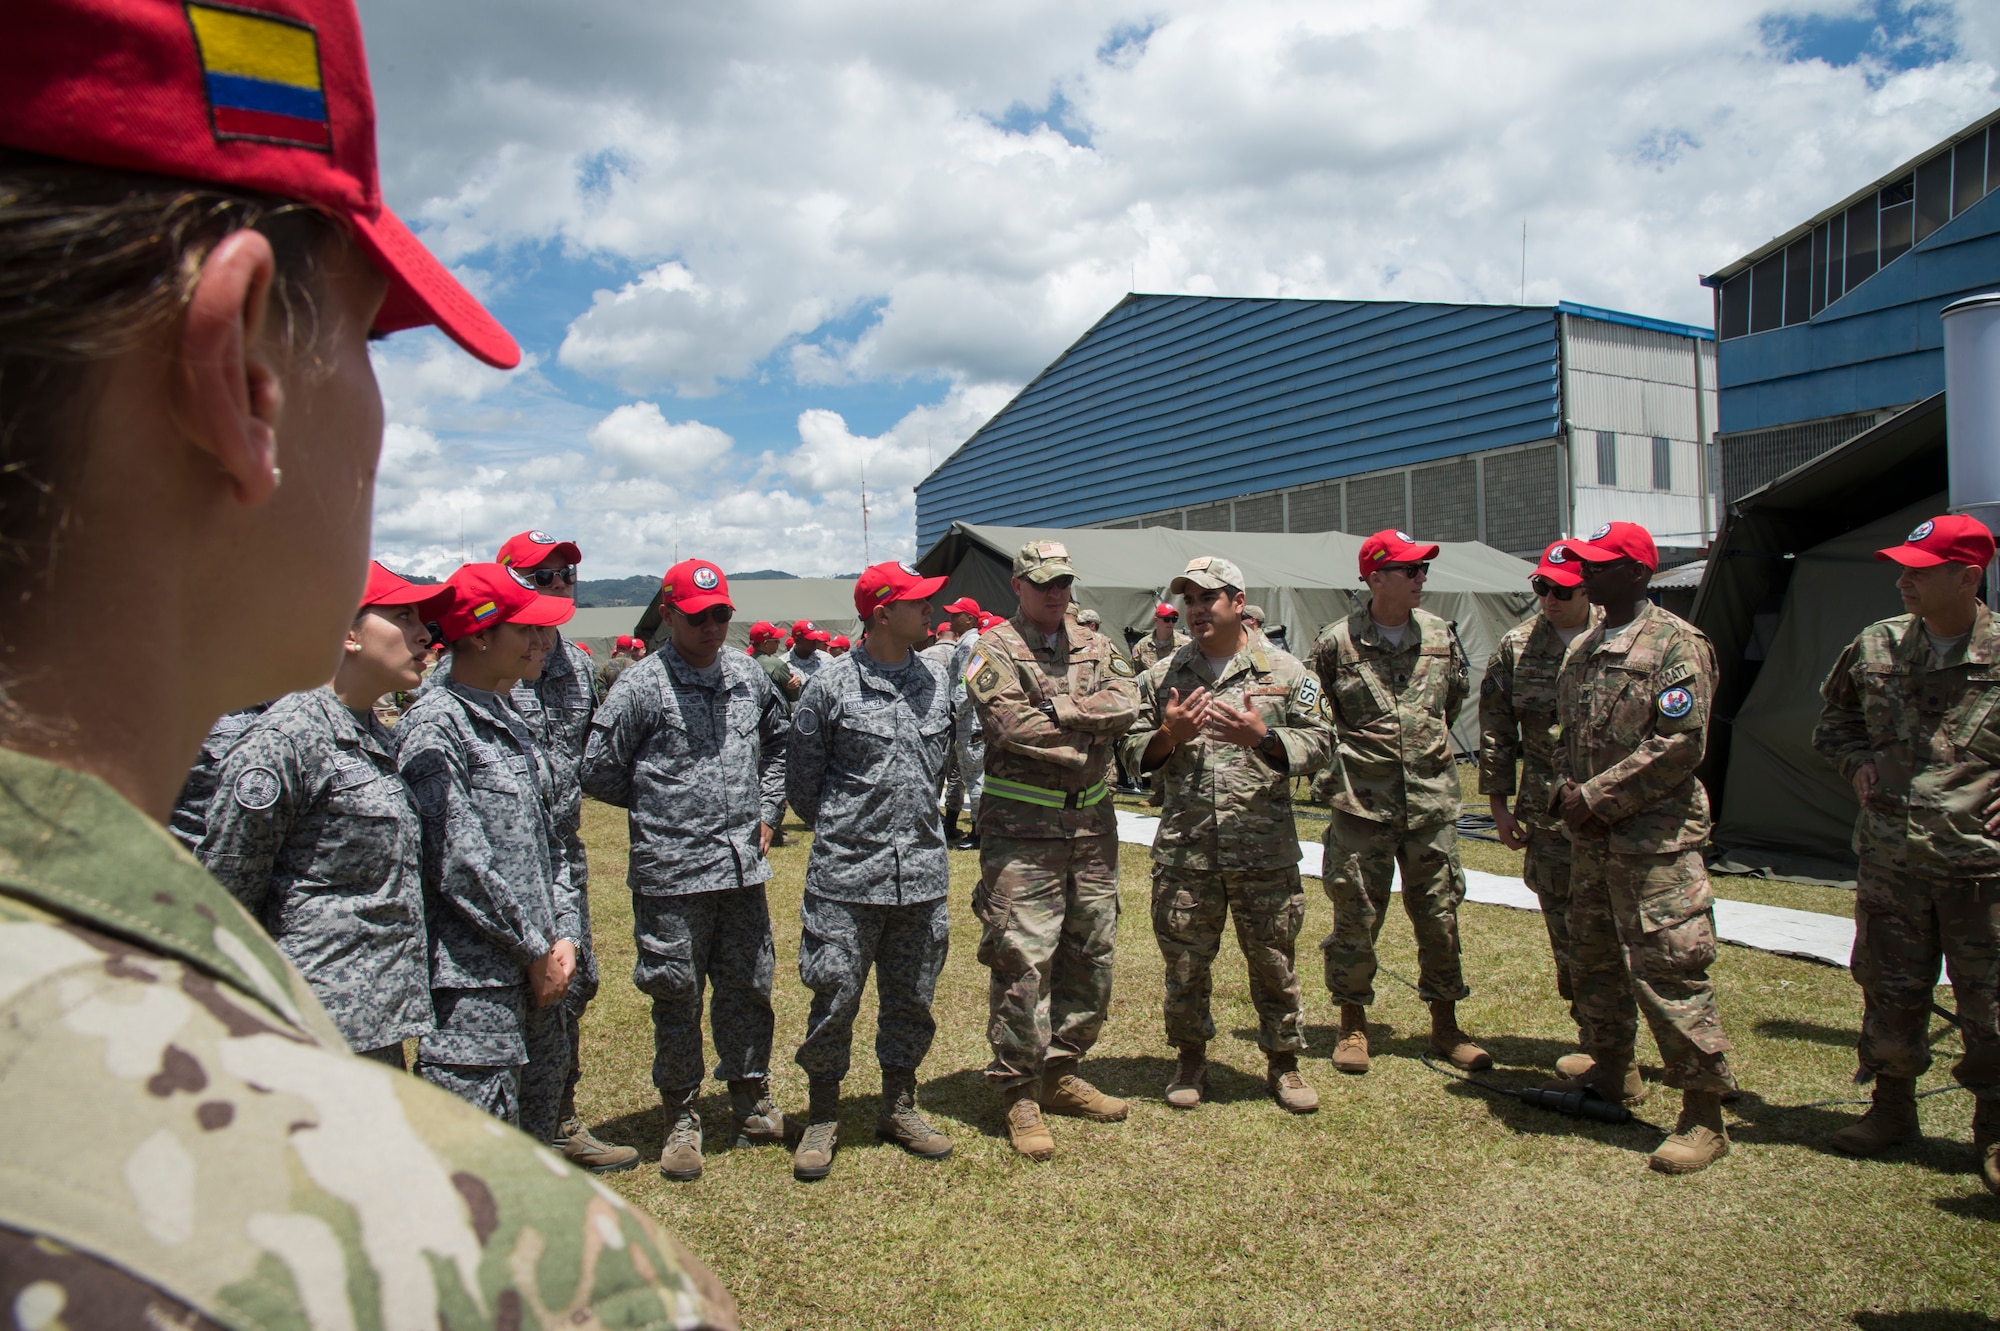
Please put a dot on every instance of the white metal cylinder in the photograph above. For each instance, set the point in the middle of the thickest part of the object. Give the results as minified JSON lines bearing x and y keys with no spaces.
{"x":1972,"y":404}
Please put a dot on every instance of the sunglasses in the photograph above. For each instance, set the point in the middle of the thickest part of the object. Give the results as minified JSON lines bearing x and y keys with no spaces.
{"x":1056,"y":584}
{"x":715,"y":614}
{"x":1543,"y":587}
{"x":1407,"y":570}
{"x":547,"y":577}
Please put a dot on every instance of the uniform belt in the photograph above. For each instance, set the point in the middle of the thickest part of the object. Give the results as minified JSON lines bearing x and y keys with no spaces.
{"x":1046,"y":798}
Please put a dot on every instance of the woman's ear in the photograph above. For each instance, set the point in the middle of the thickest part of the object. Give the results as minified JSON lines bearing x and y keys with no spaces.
{"x":227,"y":395}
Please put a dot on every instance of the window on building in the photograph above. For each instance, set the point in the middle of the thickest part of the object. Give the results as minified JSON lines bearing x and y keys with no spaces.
{"x":1733,"y":316}
{"x":1819,"y":267}
{"x":1968,"y":173}
{"x":1861,"y":220}
{"x":1836,"y":251}
{"x":1798,"y":281}
{"x":1899,"y":211}
{"x":1933,"y":194}
{"x":1663,"y":464}
{"x":1992,"y":160}
{"x":1767,"y":293}
{"x":1607,"y":458}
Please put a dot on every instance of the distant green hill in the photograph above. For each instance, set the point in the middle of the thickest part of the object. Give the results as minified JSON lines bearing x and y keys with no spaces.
{"x":640,"y":590}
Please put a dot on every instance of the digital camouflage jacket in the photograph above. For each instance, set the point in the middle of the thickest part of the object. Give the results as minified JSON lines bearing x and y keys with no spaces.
{"x":189,"y":820}
{"x":1633,"y":704}
{"x":244,"y":1170}
{"x":1932,"y":729}
{"x":1392,"y":710}
{"x":1226,"y":808}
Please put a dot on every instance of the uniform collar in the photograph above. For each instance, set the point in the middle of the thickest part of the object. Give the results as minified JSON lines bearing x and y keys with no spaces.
{"x":1037,"y":641}
{"x":1982,"y":642}
{"x":72,"y":845}
{"x":1361,"y":627}
{"x":351,"y":731}
{"x":1621,"y":638}
{"x":684,"y":674}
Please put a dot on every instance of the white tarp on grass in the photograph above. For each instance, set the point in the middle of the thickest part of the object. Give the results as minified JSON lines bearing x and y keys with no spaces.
{"x":1795,"y":933}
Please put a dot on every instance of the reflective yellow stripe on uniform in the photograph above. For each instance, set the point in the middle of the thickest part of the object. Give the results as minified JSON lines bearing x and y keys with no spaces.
{"x":1048,"y":799}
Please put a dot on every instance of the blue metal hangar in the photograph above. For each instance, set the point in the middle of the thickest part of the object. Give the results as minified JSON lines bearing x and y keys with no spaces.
{"x":1507,"y":424}
{"x":1832,"y":328}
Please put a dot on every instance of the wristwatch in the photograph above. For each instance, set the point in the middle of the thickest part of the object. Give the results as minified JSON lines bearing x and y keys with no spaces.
{"x":1271,"y":746}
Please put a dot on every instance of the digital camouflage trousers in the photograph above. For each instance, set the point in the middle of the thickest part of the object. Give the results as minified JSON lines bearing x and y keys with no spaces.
{"x":839,"y":943}
{"x":494,"y":1049}
{"x":688,"y":944}
{"x":1268,"y":908}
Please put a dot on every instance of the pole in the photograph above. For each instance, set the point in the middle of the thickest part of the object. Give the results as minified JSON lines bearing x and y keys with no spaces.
{"x":867,"y":555}
{"x":1524,"y":261}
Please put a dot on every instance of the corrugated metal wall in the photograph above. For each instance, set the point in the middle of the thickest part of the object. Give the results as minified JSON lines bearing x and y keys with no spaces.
{"x":1185,"y":401}
{"x":1637,"y":385}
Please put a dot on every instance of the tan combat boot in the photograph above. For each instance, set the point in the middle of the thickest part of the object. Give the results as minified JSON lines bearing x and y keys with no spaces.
{"x":1190,"y":1081}
{"x":753,"y":1119}
{"x":1063,"y":1092}
{"x":1025,"y":1128}
{"x":1449,"y":1042}
{"x":819,"y":1135}
{"x":1287,"y":1087}
{"x":1986,"y":1139}
{"x":680,"y":1158}
{"x":899,"y":1121}
{"x":581,"y":1148}
{"x":1891,"y":1119}
{"x":1699,"y":1138}
{"x":1351,"y":1054}
{"x":1574,"y":1065}
{"x":1616,"y":1080}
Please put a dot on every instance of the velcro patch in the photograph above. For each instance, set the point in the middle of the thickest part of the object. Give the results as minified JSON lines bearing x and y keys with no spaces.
{"x":258,"y":788}
{"x":984,"y":680}
{"x":1308,"y":692}
{"x":1680,"y":673}
{"x":1676,"y":702}
{"x":1121,"y":667}
{"x":806,"y":721}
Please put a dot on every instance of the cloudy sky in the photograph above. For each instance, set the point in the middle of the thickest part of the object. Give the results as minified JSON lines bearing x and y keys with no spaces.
{"x":759,"y":253}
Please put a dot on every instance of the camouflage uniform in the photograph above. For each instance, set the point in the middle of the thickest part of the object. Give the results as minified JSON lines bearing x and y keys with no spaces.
{"x":558,"y":707}
{"x":862,"y":766}
{"x":1227,"y":842}
{"x":315,"y":834}
{"x":969,"y":743}
{"x":1048,"y":872}
{"x":1929,"y":886}
{"x":497,"y":897}
{"x":1517,"y":723}
{"x":1394,"y":789}
{"x":189,"y":820}
{"x":608,"y":673}
{"x":697,"y":764}
{"x":1633,"y":704}
{"x":1150,"y":653}
{"x":246,"y":1171}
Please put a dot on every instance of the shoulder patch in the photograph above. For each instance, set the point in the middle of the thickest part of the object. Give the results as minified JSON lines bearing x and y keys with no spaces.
{"x":1677,"y":674}
{"x":258,"y":788}
{"x":806,"y":721}
{"x":1676,"y":702}
{"x":1308,"y":692}
{"x":983,"y":678}
{"x":429,"y":791}
{"x":1120,"y":666}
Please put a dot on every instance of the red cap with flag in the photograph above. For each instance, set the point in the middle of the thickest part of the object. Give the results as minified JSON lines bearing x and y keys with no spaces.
{"x":1954,"y":538}
{"x":881,"y":584}
{"x":1614,"y":541}
{"x":489,"y":594}
{"x":1390,"y":546}
{"x":805,"y":630}
{"x":264,"y":95}
{"x":386,"y":588}
{"x":693,"y":585}
{"x":1558,"y":567}
{"x":530,"y":548}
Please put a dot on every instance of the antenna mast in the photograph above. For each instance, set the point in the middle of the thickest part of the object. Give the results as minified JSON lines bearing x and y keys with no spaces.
{"x":867,"y":556}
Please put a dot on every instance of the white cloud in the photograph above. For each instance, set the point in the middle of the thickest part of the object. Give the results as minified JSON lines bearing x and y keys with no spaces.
{"x":638,"y":437}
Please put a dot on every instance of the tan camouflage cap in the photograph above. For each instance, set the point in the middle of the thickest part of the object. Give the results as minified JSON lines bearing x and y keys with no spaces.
{"x":1208,"y":573}
{"x":1255,"y":612}
{"x":1043,"y":561}
{"x":1088,"y":618}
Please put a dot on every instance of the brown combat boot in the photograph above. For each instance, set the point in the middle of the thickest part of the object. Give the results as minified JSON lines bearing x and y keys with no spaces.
{"x":1574,"y":1065}
{"x":1616,"y":1080}
{"x":1190,"y":1081}
{"x":680,"y":1158}
{"x":1287,"y":1087}
{"x":753,"y":1119}
{"x":1063,"y":1092}
{"x":1025,"y":1128}
{"x":581,"y":1148}
{"x":819,"y":1135}
{"x":1351,"y":1054}
{"x":1986,"y":1139}
{"x":1699,"y":1138}
{"x":1449,"y":1042}
{"x":899,"y":1121}
{"x":1891,"y":1119}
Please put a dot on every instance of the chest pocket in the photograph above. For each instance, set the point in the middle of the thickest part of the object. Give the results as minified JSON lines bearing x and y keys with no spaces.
{"x":1535,"y":693}
{"x":1358,"y":694}
{"x":1623,"y":704}
{"x":1975,"y":722}
{"x":502,"y":774}
{"x":1268,"y":701}
{"x":362,"y":837}
{"x":1885,"y":692}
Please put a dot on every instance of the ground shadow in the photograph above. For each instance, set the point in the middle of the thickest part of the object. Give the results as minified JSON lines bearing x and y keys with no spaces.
{"x":1230,"y":1079}
{"x":1973,"y":1206}
{"x":1756,"y":1120}
{"x":1840,"y":1037}
{"x":1927,"y":1319}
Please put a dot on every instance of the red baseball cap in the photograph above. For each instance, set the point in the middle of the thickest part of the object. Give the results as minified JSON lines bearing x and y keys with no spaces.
{"x":805,"y":630}
{"x":1616,"y":540}
{"x":489,"y":594}
{"x":386,"y":588}
{"x":1390,"y":546}
{"x":763,"y":631}
{"x":1953,"y":538}
{"x":1558,"y":567}
{"x":987,"y":621}
{"x":693,"y":585}
{"x":533,"y":547}
{"x":880,"y":584}
{"x":638,"y":644}
{"x":1165,"y":611}
{"x":623,"y":642}
{"x":964,"y":605}
{"x":840,"y":640}
{"x":265,"y":95}
{"x":584,"y":647}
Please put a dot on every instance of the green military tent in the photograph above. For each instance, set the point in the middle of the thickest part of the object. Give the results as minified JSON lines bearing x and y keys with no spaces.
{"x":1303,"y":580}
{"x":827,"y":602}
{"x":1791,"y":579}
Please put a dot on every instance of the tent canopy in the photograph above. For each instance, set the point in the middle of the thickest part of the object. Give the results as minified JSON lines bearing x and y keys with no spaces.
{"x":1304,"y":581}
{"x":1793,"y":577}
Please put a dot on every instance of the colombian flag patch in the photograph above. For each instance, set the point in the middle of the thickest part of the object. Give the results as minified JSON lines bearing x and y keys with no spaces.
{"x":263,"y":76}
{"x":485,"y":612}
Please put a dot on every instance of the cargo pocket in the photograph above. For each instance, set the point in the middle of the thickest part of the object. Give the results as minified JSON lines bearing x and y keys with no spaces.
{"x":664,"y":967}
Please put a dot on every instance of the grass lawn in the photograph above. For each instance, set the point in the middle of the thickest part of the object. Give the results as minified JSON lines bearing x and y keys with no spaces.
{"x":1406,"y":1201}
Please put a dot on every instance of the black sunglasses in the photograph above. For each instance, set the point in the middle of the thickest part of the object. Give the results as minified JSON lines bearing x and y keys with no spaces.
{"x":546,"y":577}
{"x":1056,"y":584}
{"x":1407,"y":570}
{"x":1543,"y":587}
{"x":715,"y":614}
